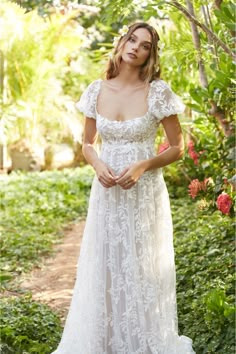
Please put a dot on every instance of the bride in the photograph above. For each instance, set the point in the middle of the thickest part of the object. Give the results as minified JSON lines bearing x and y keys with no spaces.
{"x":124,"y":300}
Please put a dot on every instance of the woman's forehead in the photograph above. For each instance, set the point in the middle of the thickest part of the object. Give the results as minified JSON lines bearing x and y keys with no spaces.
{"x":143,"y":34}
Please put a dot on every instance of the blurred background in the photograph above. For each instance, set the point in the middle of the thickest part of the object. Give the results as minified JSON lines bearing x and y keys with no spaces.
{"x":50,"y":50}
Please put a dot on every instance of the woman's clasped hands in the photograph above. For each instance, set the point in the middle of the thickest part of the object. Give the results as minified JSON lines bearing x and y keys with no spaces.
{"x":127,"y":178}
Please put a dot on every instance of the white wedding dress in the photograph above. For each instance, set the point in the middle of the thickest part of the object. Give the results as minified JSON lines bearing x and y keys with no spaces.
{"x":124,"y":300}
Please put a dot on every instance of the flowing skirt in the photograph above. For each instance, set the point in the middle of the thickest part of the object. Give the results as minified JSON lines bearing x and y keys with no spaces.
{"x":124,"y":300}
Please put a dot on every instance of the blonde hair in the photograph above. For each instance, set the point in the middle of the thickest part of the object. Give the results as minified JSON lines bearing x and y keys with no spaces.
{"x":150,"y":70}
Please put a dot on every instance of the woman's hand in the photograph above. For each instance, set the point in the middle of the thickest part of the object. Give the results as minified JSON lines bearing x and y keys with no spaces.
{"x":105,"y":174}
{"x":130,"y":175}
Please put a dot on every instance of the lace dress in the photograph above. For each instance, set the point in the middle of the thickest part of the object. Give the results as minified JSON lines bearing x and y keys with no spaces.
{"x":124,"y":300}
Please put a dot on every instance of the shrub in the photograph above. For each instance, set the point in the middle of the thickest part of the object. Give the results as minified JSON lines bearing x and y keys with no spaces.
{"x":28,"y":326}
{"x":205,"y":277}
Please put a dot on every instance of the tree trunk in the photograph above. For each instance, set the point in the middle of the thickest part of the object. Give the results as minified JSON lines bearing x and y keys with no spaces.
{"x":218,"y":3}
{"x":208,"y":23}
{"x":215,"y":111}
{"x":211,"y":34}
{"x":197,"y":44}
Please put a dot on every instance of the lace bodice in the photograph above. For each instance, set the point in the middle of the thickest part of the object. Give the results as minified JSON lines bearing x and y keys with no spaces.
{"x":162,"y":101}
{"x":133,"y":139}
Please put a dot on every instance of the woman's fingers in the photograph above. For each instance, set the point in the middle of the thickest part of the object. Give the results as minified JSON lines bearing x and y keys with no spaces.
{"x":122,"y":174}
{"x":111,"y":172}
{"x":106,"y":179}
{"x":128,"y":185}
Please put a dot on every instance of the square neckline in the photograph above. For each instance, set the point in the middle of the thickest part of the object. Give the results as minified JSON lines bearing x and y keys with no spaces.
{"x":127,"y":120}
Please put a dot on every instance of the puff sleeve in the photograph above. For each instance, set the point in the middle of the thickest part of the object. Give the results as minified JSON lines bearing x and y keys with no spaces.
{"x":88,"y":100}
{"x":163,"y":101}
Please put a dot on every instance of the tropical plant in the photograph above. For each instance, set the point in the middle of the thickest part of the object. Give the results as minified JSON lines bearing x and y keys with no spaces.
{"x":36,"y":55}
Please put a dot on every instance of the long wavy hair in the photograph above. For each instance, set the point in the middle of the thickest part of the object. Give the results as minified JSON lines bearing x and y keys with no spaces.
{"x":150,"y":70}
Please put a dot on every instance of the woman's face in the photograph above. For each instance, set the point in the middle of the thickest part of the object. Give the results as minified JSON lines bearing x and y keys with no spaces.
{"x":138,"y":47}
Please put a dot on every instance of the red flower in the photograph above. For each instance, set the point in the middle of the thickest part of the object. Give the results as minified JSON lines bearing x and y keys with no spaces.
{"x":164,"y":146}
{"x":194,"y":156}
{"x":224,"y":203}
{"x":190,"y":145}
{"x":194,"y":187}
{"x":192,"y":153}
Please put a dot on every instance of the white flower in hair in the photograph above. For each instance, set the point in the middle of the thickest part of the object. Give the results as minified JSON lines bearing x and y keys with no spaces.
{"x":161,"y":47}
{"x":124,"y":30}
{"x":115,"y":41}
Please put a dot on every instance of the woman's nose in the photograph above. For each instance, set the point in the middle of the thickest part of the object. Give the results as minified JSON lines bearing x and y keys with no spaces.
{"x":135,"y":46}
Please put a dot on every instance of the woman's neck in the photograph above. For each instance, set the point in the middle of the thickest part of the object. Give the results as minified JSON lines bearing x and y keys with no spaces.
{"x":128,"y":75}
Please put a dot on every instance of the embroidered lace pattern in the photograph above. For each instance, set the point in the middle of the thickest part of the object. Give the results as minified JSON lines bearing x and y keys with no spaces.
{"x":124,"y":300}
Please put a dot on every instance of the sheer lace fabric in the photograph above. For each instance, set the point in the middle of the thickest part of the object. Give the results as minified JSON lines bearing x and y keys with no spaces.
{"x":124,"y":300}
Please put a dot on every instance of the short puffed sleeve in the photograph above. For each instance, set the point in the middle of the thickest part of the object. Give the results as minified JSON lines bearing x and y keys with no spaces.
{"x":88,"y":100}
{"x":163,"y":102}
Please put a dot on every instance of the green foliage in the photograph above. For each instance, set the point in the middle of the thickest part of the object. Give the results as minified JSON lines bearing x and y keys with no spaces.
{"x":204,"y":248}
{"x":34,"y":208}
{"x":37,"y":53}
{"x":28,"y":326}
{"x":204,"y":260}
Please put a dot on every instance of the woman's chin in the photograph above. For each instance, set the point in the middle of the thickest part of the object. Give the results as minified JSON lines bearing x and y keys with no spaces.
{"x":131,"y":62}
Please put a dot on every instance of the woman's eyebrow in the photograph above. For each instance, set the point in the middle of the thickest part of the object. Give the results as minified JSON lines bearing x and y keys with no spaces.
{"x":143,"y":41}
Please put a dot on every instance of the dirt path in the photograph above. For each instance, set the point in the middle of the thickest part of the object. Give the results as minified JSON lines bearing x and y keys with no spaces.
{"x":54,"y":281}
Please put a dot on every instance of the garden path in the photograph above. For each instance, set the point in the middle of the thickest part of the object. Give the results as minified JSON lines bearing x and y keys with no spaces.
{"x":53,"y":282}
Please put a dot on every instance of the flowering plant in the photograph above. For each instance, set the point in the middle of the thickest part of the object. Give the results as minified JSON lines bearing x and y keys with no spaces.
{"x":124,"y":30}
{"x":224,"y":203}
{"x":196,"y":186}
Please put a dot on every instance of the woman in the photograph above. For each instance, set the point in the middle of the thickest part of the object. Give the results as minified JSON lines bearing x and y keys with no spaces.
{"x":124,"y":300}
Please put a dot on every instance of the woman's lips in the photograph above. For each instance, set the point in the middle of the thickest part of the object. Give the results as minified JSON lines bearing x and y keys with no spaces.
{"x":132,"y":55}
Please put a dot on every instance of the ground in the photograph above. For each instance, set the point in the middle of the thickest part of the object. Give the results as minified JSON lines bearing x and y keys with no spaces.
{"x":53,"y":283}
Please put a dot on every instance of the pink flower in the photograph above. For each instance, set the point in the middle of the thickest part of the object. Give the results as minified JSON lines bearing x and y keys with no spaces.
{"x":192,"y":153}
{"x":194,"y":156}
{"x":224,"y":203}
{"x":194,"y":187}
{"x":164,"y":146}
{"x":190,"y":145}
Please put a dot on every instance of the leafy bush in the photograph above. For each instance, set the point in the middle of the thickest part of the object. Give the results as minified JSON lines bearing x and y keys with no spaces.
{"x":205,"y":285}
{"x":28,"y":327}
{"x":34,"y":208}
{"x":207,"y":167}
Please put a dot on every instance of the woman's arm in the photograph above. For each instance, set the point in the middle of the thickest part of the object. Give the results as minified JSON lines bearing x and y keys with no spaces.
{"x":176,"y":145}
{"x":176,"y":148}
{"x":104,"y":173}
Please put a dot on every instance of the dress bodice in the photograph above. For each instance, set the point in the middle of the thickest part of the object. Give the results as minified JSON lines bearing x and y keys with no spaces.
{"x":161,"y":101}
{"x":137,"y":130}
{"x":124,"y":142}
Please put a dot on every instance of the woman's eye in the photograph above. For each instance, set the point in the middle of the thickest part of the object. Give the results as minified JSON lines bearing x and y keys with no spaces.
{"x":131,"y":40}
